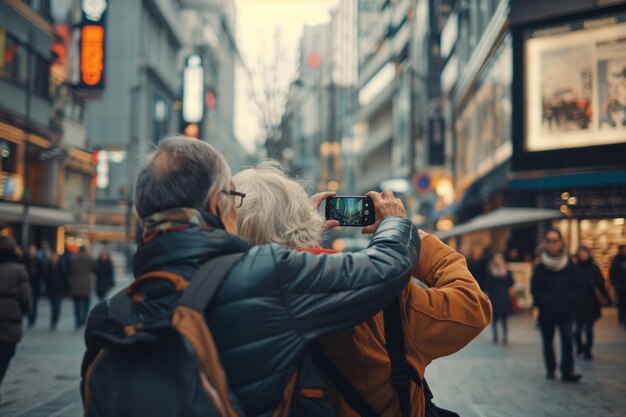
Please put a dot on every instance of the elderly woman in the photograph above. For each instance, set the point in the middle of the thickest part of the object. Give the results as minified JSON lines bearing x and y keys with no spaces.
{"x":436,"y":321}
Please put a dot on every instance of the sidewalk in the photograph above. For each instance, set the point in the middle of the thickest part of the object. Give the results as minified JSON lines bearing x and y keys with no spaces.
{"x":483,"y":380}
{"x":486,"y":380}
{"x":44,"y":376}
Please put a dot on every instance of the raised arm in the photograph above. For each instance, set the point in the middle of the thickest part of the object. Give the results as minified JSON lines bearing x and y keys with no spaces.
{"x":326,"y":293}
{"x":453,"y":311}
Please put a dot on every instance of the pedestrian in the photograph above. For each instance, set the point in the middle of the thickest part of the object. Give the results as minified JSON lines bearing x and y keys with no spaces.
{"x":618,"y":281}
{"x":35,"y":278}
{"x":272,"y":303}
{"x":478,"y":264}
{"x":105,"y":274}
{"x":499,"y":282}
{"x":80,"y":269}
{"x":15,"y":297}
{"x":553,"y":287}
{"x":438,"y":321}
{"x":591,"y":295}
{"x":56,"y":288}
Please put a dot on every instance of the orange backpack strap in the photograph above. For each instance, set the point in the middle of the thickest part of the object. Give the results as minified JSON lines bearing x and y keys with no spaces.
{"x":285,"y":405}
{"x":177,"y":281}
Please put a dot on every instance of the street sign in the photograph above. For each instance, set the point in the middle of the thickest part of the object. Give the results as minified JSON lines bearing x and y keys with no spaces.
{"x":422,"y":183}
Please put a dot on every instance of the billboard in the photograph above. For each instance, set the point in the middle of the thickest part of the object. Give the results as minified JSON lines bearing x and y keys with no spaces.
{"x":575,"y":84}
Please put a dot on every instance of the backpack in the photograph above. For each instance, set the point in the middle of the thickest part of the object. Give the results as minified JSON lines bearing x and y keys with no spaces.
{"x":162,"y":366}
{"x":402,"y":372}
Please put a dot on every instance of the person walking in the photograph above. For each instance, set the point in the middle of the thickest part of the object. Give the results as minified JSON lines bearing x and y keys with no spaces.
{"x":15,"y":297}
{"x":478,"y":264}
{"x":105,"y":274}
{"x":35,"y":278}
{"x":591,"y":295}
{"x":618,"y":281}
{"x":81,"y":267}
{"x":553,"y":287}
{"x":498,"y":286}
{"x":56,"y":288}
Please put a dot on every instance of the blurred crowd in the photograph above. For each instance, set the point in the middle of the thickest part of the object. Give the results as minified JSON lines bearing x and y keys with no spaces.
{"x":568,"y":291}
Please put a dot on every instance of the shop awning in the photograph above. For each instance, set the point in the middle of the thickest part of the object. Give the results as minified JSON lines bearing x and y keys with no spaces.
{"x":509,"y":216}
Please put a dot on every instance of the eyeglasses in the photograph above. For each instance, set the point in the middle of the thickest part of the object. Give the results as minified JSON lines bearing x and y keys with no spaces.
{"x":237,"y":196}
{"x":553,"y":241}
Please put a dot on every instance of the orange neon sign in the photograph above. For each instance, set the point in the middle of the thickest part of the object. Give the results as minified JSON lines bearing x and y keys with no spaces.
{"x":92,"y":54}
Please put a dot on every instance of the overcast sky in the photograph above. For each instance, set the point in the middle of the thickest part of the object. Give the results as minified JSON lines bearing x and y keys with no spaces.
{"x":257,"y":21}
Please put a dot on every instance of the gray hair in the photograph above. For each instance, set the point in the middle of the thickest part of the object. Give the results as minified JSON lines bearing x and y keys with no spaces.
{"x":276,"y":209}
{"x":181,"y":172}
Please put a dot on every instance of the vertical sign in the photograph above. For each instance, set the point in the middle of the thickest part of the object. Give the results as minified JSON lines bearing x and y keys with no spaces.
{"x":193,"y":96}
{"x":92,"y":58}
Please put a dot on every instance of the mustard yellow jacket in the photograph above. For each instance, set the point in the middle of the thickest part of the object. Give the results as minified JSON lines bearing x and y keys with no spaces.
{"x":437,"y":321}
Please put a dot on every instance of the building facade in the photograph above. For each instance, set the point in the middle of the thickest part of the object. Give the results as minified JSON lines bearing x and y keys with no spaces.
{"x":533,"y":93}
{"x":45,"y":169}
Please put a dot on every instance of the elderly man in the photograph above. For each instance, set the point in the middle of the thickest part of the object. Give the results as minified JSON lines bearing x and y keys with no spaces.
{"x":274,"y":301}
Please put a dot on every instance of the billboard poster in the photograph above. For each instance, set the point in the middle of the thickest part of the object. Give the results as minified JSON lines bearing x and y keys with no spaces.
{"x":575,"y":84}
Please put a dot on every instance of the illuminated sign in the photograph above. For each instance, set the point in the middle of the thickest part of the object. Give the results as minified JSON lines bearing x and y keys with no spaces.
{"x":11,"y":187}
{"x":92,"y":55}
{"x":94,"y":9}
{"x":193,"y":90}
{"x":92,"y":44}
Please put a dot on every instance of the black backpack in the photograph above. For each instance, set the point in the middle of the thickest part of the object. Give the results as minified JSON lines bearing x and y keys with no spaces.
{"x":163,"y":366}
{"x":402,"y":372}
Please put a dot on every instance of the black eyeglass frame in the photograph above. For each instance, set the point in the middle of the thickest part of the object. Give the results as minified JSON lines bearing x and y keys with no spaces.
{"x":236,"y":194}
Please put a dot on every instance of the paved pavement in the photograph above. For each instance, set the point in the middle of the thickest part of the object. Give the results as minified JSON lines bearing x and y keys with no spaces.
{"x":483,"y":380}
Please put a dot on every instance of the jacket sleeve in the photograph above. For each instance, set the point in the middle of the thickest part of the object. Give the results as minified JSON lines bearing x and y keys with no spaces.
{"x":326,"y":293}
{"x":536,"y":289}
{"x":453,"y":311}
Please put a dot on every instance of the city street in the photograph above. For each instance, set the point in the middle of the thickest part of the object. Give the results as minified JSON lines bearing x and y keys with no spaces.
{"x":483,"y":380}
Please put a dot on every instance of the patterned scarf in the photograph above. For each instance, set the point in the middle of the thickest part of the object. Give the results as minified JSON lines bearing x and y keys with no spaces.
{"x":179,"y":218}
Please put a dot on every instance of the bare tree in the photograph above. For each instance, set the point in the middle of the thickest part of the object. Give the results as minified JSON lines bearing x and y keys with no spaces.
{"x":269,"y":88}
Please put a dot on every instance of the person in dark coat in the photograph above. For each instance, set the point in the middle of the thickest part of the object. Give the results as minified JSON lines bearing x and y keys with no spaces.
{"x":498,"y":284}
{"x":553,"y":287}
{"x":105,"y":274}
{"x":56,"y":287}
{"x":15,"y":297}
{"x":478,"y":264}
{"x":80,"y":285}
{"x":588,"y":307}
{"x":35,"y":277}
{"x":618,"y":281}
{"x":274,"y":302}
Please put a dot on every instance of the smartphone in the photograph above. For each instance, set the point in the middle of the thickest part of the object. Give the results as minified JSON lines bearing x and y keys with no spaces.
{"x":351,"y":211}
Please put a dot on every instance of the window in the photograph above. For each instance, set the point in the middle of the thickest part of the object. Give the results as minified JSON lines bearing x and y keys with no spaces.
{"x":160,"y":118}
{"x":41,"y":76}
{"x":8,"y":156}
{"x":17,"y":58}
{"x":15,"y":61}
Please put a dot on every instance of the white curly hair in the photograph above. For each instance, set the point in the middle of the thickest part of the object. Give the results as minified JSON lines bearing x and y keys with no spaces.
{"x":276,"y":209}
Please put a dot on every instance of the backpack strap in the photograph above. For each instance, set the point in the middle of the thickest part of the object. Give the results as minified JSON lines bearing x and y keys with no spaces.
{"x":207,"y":281}
{"x":343,"y":385}
{"x":401,"y":371}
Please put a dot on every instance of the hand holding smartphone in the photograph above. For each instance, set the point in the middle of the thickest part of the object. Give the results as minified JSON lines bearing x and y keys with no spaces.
{"x":351,"y":211}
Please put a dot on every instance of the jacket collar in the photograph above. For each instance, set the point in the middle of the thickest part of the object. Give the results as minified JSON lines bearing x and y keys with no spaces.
{"x":183,"y":251}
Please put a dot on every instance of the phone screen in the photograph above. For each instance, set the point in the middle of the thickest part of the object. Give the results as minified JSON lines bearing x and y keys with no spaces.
{"x":350,"y":211}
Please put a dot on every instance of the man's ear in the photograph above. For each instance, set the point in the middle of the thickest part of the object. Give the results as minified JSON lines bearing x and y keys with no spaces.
{"x":212,"y":206}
